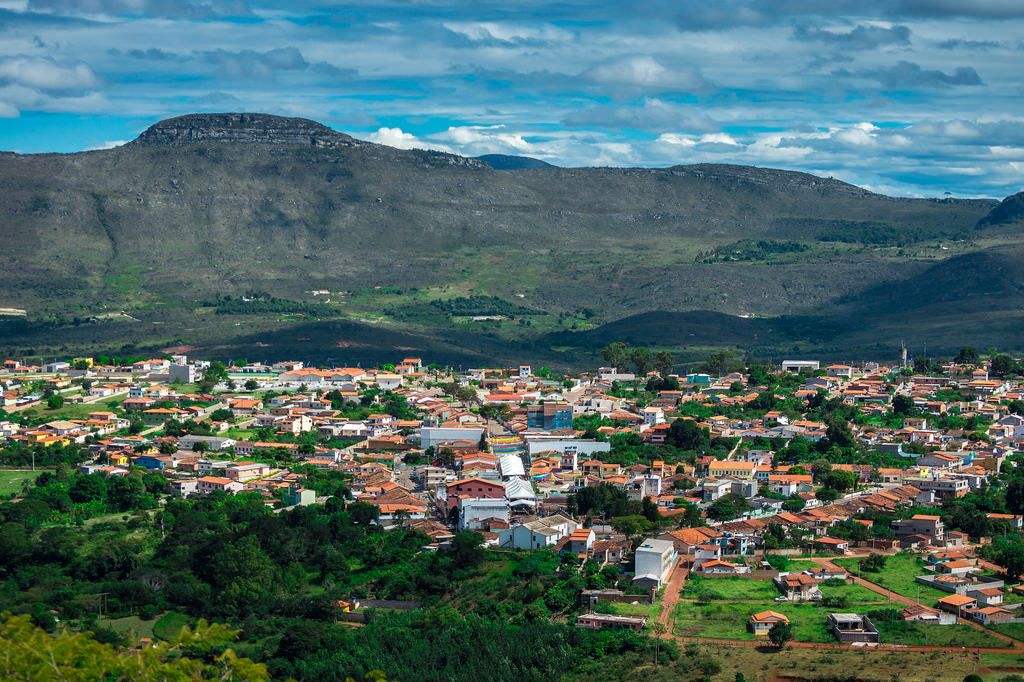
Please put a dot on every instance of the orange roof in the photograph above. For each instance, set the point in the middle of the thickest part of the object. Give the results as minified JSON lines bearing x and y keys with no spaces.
{"x":769,"y":617}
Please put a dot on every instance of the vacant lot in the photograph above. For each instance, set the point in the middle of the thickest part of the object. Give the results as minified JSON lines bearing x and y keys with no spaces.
{"x":898,"y":576}
{"x":768,"y":665}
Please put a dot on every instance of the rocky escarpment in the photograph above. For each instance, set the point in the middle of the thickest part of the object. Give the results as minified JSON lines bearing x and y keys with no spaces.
{"x":245,"y":128}
{"x":1010,"y":210}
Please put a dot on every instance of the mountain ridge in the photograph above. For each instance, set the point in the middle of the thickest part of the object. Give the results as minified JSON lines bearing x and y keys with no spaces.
{"x":213,"y":205}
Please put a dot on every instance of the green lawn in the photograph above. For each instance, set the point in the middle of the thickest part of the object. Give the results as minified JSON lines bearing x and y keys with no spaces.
{"x":12,"y":479}
{"x":1015,"y":630}
{"x":73,"y":410}
{"x":170,"y":624}
{"x":729,"y":621}
{"x":898,"y":576}
{"x":935,"y":635}
{"x":855,"y":593}
{"x":133,"y":626}
{"x":730,"y":588}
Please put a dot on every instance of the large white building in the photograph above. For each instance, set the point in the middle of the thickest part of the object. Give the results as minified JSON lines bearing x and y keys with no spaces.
{"x":432,"y":435}
{"x":654,"y":560}
{"x":475,"y":511}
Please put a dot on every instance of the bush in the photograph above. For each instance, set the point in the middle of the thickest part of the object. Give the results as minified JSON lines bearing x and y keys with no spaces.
{"x":148,"y":612}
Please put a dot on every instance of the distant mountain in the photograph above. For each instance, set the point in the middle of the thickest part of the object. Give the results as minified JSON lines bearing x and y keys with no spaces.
{"x":1009,"y":211}
{"x":509,"y":162}
{"x":210,"y":205}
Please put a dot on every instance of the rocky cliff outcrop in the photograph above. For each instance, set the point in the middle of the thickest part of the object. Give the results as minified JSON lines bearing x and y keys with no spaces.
{"x":245,"y":128}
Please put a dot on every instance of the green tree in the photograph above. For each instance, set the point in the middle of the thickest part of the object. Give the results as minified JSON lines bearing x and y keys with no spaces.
{"x":617,"y":354}
{"x":903,"y":404}
{"x":968,"y":355}
{"x":780,"y":634}
{"x":663,"y":363}
{"x":687,"y":435}
{"x":642,"y":360}
{"x":1003,"y":365}
{"x":251,"y":385}
{"x":29,"y":653}
{"x":55,"y":401}
{"x":467,"y":549}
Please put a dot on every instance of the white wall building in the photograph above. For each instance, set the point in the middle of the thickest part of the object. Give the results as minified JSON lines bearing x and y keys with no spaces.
{"x":654,"y":560}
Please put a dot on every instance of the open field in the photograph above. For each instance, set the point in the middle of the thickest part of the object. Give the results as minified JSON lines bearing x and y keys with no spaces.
{"x":132,"y":626}
{"x":168,"y":625}
{"x":73,"y":410}
{"x":11,"y":480}
{"x":768,"y":665}
{"x":898,"y":576}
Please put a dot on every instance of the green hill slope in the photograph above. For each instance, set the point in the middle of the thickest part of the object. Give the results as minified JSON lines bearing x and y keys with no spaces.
{"x":209,"y":205}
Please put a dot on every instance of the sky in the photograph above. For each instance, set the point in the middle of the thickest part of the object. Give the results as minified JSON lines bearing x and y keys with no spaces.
{"x":904,"y":97}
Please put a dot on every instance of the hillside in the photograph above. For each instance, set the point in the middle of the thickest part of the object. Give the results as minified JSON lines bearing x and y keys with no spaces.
{"x":1009,"y":211}
{"x":510,"y":162}
{"x":204,"y":206}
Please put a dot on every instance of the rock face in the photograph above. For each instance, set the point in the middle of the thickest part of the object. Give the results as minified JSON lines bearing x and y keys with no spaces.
{"x":245,"y":128}
{"x":1010,"y":210}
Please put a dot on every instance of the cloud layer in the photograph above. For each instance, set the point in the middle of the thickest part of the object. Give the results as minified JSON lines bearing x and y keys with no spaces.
{"x":913,"y":97}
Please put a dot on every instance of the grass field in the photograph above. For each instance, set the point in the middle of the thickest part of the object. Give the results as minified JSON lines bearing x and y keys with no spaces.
{"x":133,"y":626}
{"x":729,"y":621}
{"x":898,"y":576}
{"x":12,"y":479}
{"x":729,"y":588}
{"x":73,"y":410}
{"x":168,"y":626}
{"x":768,"y":665}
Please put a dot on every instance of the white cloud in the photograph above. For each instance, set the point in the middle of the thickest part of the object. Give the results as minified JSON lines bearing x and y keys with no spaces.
{"x":396,"y":137}
{"x":477,"y":140}
{"x":46,"y":74}
{"x":642,"y":73}
{"x":505,"y":32}
{"x":107,"y":145}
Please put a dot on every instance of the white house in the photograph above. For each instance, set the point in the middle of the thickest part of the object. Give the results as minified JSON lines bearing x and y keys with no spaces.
{"x":538,"y":534}
{"x":654,"y":561}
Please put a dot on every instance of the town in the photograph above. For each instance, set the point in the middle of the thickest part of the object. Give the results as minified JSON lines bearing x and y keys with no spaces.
{"x":853,"y":508}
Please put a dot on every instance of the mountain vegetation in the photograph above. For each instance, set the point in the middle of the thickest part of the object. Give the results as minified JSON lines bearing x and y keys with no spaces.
{"x":123,"y":250}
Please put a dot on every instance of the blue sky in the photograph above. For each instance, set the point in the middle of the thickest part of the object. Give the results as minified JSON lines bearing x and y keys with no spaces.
{"x":908,"y":97}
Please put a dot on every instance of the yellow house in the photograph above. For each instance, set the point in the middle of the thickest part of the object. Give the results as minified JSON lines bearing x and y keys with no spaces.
{"x":741,"y":470}
{"x":120,"y":458}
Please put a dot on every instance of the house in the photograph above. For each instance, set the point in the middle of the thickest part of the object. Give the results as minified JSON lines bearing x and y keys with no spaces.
{"x":840,"y":371}
{"x":921,"y":524}
{"x":483,"y":513}
{"x":705,"y":553}
{"x":957,"y":603}
{"x":852,"y":627}
{"x":832,"y":544}
{"x":654,"y":561}
{"x":184,"y":487}
{"x":987,"y":596}
{"x":958,"y":567}
{"x":762,"y":623}
{"x":923,"y":614}
{"x":822,"y":573}
{"x":718,"y":567}
{"x":798,"y":587}
{"x":473,"y":487}
{"x":602,"y":621}
{"x":735,"y":469}
{"x":209,"y":484}
{"x":581,"y":540}
{"x":990,"y":615}
{"x":538,"y":534}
